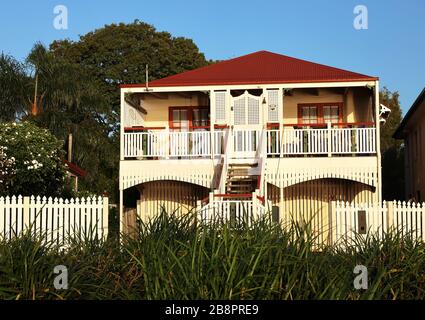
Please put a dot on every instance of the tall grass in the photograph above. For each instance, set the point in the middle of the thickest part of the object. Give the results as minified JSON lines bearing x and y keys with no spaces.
{"x":170,"y":258}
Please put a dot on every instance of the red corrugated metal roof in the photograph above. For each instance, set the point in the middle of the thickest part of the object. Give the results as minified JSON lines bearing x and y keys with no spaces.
{"x":262,"y":67}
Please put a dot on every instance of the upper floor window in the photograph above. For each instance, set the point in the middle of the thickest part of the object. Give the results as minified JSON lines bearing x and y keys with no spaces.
{"x":331,"y":114}
{"x":185,"y":118}
{"x":309,"y":114}
{"x":201,"y":117}
{"x":320,"y":113}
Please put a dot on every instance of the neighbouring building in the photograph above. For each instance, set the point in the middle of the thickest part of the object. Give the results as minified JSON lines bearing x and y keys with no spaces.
{"x":412,"y":131}
{"x":261,"y":132}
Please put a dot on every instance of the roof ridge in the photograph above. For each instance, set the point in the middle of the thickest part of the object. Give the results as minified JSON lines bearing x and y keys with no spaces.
{"x":210,"y":65}
{"x":318,"y":64}
{"x":258,"y":67}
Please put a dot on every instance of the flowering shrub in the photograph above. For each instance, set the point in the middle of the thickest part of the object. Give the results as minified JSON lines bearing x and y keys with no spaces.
{"x":30,"y":161}
{"x":7,"y":169}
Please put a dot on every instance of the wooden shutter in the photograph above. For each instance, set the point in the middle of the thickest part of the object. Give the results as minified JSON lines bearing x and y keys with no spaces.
{"x":220,"y":106}
{"x":273,"y":105}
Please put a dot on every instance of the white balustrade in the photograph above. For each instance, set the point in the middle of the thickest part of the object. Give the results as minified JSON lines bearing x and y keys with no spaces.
{"x":245,"y":142}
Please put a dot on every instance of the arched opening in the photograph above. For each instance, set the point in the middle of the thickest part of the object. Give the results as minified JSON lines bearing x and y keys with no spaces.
{"x":310,"y":201}
{"x":147,"y":200}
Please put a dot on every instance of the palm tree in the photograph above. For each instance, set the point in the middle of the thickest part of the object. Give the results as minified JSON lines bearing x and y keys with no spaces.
{"x":67,"y":101}
{"x":13,"y":88}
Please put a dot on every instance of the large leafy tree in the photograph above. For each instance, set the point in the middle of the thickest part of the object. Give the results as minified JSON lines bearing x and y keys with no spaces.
{"x":391,"y":149}
{"x":119,"y":53}
{"x":78,"y":88}
{"x":13,"y":88}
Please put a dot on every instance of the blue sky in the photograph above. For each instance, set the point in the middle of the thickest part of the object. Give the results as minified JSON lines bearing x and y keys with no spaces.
{"x":392,"y":47}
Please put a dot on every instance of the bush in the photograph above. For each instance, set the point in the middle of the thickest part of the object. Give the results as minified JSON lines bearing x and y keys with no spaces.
{"x":33,"y":157}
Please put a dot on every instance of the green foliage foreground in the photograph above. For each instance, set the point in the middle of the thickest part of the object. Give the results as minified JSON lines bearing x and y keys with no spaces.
{"x":170,"y":259}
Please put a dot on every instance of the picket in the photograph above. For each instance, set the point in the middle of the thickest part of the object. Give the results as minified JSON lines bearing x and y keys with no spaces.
{"x":405,"y":217}
{"x":55,"y":218}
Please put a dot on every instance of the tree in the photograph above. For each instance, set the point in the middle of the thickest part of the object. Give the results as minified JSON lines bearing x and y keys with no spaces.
{"x":13,"y":88}
{"x":69,"y":101}
{"x":35,"y":160}
{"x":391,"y":149}
{"x":118,"y":53}
{"x":102,"y":60}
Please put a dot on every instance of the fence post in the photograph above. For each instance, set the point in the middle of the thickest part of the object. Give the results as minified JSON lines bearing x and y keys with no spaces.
{"x":26,"y":212}
{"x":198,"y":216}
{"x":254,"y":205}
{"x":390,"y":216}
{"x":105,"y":213}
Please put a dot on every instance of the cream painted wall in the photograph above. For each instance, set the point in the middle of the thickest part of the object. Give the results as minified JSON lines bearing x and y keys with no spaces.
{"x":357,"y":103}
{"x":157,"y":109}
{"x":310,"y":201}
{"x":172,"y":196}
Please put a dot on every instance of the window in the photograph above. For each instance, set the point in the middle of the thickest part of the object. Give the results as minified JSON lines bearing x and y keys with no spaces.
{"x":320,"y":113}
{"x":331,"y":114}
{"x":185,"y":118}
{"x":309,"y":114}
{"x":201,"y":117}
{"x":179,"y":120}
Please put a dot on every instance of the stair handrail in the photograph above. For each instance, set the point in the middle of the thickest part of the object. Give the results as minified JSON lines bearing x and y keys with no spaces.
{"x":261,"y":156}
{"x":225,"y":160}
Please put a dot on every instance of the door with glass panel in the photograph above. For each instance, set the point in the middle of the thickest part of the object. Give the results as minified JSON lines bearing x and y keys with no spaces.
{"x":315,"y":118}
{"x":179,"y":131}
{"x":201,"y":142}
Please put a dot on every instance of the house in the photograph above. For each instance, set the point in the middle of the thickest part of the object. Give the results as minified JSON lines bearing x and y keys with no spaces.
{"x":74,"y":172}
{"x":261,"y":132}
{"x":412,"y":131}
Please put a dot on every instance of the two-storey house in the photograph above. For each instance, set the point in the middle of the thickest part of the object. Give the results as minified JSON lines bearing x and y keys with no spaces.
{"x":261,"y":132}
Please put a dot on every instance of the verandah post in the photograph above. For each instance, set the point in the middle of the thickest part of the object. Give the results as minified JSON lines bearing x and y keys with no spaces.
{"x":167,"y":142}
{"x":329,"y":131}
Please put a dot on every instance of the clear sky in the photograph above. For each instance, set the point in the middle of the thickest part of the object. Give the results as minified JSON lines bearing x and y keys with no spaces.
{"x":393,"y":46}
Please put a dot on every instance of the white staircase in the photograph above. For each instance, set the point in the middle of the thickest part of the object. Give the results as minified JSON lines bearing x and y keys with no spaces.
{"x":240,"y":193}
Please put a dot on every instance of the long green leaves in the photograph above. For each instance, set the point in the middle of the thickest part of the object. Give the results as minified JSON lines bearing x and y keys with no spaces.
{"x":170,"y":258}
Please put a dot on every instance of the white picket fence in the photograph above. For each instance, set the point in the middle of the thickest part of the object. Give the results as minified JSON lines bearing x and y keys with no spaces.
{"x":351,"y":220}
{"x":54,"y":218}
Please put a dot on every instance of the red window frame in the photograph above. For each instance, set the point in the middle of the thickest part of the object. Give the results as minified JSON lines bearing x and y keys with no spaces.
{"x":189,"y":116}
{"x":319,"y":106}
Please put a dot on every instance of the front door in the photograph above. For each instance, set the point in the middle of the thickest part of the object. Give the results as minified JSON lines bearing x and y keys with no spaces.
{"x":246,"y":125}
